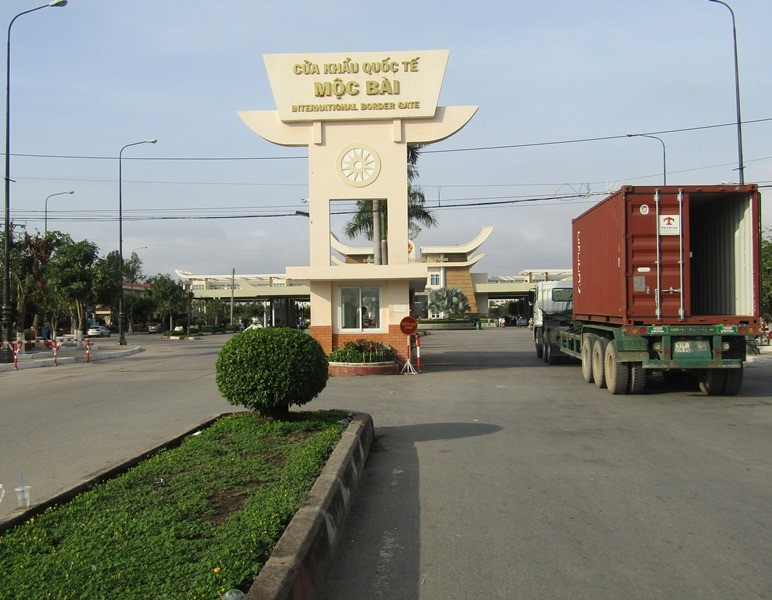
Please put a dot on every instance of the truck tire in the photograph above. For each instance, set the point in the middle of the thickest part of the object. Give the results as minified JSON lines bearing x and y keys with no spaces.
{"x":588,"y":341}
{"x":617,"y":373}
{"x":549,"y":354}
{"x":538,"y":342}
{"x":637,"y":378}
{"x":598,"y":362}
{"x":712,"y":381}
{"x":733,"y":381}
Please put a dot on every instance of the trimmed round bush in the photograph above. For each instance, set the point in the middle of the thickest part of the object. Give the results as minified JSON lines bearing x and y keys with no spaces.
{"x":268,"y":370}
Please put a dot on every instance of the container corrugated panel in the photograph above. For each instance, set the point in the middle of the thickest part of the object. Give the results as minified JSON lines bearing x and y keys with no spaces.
{"x":598,"y":261}
{"x":669,"y":255}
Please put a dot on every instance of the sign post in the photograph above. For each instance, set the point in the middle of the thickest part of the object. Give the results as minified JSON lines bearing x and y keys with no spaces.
{"x":408,"y":326}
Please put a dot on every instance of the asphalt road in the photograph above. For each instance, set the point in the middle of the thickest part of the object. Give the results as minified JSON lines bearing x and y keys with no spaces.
{"x":493,"y":475}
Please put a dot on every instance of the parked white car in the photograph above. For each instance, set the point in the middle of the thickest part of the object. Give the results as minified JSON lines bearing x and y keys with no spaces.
{"x":98,"y":331}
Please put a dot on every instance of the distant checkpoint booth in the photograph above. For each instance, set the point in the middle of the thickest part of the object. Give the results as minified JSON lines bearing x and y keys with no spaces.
{"x":356,"y":113}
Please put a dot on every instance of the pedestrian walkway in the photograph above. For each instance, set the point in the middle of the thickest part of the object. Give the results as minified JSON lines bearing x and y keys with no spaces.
{"x":69,"y":353}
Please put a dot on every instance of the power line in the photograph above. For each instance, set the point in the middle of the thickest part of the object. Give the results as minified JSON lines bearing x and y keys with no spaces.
{"x":469,"y":149}
{"x":462,"y":203}
{"x":591,"y":139}
{"x":278,"y":211}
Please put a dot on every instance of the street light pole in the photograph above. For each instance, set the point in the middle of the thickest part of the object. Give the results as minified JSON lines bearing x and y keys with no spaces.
{"x":7,"y":310}
{"x":664,"y":156}
{"x":45,"y":219}
{"x":121,"y":333}
{"x":740,"y":164}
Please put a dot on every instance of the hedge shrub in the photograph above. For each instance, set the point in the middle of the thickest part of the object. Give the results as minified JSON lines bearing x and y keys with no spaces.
{"x":362,"y":351}
{"x":270,"y":369}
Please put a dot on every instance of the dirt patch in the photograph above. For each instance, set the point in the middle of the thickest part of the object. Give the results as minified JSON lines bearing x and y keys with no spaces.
{"x":226,"y":503}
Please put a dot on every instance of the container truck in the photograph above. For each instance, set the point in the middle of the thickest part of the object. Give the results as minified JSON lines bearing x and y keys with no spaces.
{"x":552,"y":312}
{"x":666,"y":279}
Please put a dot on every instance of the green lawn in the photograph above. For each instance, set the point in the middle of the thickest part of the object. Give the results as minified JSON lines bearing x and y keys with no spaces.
{"x":190,"y":522}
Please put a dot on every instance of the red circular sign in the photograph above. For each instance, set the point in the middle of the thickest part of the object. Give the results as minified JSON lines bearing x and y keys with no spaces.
{"x":408,"y":325}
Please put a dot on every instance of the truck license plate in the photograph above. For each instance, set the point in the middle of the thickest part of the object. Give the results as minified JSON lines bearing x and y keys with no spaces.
{"x":683,"y":347}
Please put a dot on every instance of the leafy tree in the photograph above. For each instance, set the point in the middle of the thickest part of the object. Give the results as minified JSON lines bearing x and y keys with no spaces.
{"x":766,"y":277}
{"x":449,"y":302}
{"x":28,"y":255}
{"x":71,"y":273}
{"x":495,"y":312}
{"x":245,"y":311}
{"x":270,"y":369}
{"x":168,"y":295}
{"x":56,"y":307}
{"x":41,"y":249}
{"x":22,"y":265}
{"x":139,"y":309}
{"x":106,"y":284}
{"x":132,"y":268}
{"x":217,"y":310}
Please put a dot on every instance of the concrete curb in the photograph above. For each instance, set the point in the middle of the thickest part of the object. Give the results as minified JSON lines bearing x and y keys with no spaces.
{"x":112,"y":354}
{"x":47,"y":359}
{"x":340,"y":369}
{"x":300,"y":561}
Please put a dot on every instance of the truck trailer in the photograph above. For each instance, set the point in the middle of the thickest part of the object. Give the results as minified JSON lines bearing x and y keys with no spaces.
{"x":666,"y":279}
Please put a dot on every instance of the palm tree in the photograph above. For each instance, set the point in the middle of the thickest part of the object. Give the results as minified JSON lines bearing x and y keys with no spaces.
{"x":417,"y":213}
{"x":449,"y":302}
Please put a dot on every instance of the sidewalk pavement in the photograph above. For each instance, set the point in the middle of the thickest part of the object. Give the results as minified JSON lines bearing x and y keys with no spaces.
{"x":69,"y":353}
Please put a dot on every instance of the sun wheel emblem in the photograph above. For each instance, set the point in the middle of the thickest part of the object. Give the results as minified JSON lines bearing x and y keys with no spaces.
{"x":359,"y":165}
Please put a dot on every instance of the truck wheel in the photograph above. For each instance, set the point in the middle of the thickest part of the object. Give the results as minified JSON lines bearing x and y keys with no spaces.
{"x":588,"y":341}
{"x":617,"y":373}
{"x":538,"y":341}
{"x":539,"y":350}
{"x":598,"y":359}
{"x":549,"y":355}
{"x":733,"y":382}
{"x":712,"y":381}
{"x":637,"y":378}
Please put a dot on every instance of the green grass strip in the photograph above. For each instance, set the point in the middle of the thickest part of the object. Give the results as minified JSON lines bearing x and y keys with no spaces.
{"x":190,"y":522}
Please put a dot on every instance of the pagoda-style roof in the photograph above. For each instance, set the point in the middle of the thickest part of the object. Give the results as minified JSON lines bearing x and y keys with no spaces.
{"x":466,"y":249}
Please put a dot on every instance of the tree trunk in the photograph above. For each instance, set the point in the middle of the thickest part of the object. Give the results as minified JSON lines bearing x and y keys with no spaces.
{"x":275,"y":413}
{"x":377,"y":258}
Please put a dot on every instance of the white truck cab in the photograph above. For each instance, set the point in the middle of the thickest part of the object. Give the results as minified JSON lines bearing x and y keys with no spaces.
{"x":552,"y":312}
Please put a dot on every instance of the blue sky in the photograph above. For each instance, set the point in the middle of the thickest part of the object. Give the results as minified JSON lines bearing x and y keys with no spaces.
{"x":96,"y":75}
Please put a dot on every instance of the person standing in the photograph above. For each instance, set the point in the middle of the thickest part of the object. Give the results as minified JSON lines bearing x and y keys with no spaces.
{"x":47,"y":334}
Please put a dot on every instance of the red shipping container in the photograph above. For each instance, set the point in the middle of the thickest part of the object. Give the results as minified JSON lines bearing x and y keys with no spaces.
{"x":669,"y":255}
